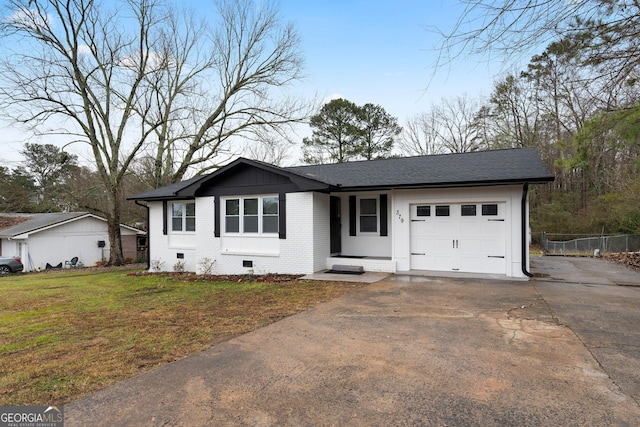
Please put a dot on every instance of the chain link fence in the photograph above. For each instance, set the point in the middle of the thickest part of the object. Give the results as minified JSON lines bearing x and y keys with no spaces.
{"x":563,"y":244}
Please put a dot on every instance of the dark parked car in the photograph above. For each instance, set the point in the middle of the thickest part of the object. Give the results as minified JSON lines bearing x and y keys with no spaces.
{"x":10,"y":265}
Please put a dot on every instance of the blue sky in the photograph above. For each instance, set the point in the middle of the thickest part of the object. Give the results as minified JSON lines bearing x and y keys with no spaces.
{"x":383,"y":52}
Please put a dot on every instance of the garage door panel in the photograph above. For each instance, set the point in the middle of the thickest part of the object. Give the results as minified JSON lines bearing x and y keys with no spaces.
{"x":493,"y":248}
{"x":469,"y":246}
{"x":492,"y":227}
{"x":491,"y":235}
{"x":471,"y":238}
{"x":470,"y":228}
{"x":441,"y":254}
{"x":428,"y":251}
{"x":482,"y":265}
{"x":422,"y":236}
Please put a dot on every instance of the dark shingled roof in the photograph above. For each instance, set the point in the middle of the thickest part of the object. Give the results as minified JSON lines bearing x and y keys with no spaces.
{"x":510,"y":166}
{"x":482,"y":167}
{"x":167,"y":191}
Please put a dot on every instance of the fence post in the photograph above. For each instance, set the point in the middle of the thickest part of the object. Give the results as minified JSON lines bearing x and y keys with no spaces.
{"x":545,"y":244}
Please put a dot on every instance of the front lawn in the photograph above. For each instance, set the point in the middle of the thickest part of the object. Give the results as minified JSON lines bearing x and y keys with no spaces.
{"x":66,"y":334}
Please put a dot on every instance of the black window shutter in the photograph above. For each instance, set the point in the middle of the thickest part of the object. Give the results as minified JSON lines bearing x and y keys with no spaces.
{"x":383,"y":215}
{"x":165,"y":218}
{"x":216,"y":216}
{"x":282,"y":215}
{"x":352,"y":216}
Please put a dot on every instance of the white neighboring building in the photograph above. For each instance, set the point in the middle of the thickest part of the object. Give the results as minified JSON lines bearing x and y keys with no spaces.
{"x":54,"y":238}
{"x":455,"y":213}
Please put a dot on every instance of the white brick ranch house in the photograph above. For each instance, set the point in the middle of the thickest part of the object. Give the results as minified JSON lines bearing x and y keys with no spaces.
{"x":455,"y":212}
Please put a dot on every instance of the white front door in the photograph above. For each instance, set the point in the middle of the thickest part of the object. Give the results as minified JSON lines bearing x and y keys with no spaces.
{"x":467,"y":237}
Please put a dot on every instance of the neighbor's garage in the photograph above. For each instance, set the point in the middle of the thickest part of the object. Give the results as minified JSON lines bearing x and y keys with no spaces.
{"x":465,"y":237}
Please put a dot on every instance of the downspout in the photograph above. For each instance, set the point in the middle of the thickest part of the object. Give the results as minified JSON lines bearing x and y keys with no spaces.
{"x":148,"y":235}
{"x":523,"y":220}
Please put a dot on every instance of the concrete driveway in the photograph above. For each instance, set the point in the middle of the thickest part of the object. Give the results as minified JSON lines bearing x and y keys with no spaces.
{"x":561,"y":349}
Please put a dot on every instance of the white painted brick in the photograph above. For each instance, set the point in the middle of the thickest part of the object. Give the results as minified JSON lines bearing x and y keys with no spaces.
{"x":307,"y":216}
{"x":164,"y":248}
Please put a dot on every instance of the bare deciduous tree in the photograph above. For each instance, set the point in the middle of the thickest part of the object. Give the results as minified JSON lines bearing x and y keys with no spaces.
{"x":458,"y":133}
{"x":420,"y":136}
{"x":269,"y":147}
{"x":139,"y":78}
{"x":210,"y":90}
{"x":448,"y":127}
{"x":508,"y":29}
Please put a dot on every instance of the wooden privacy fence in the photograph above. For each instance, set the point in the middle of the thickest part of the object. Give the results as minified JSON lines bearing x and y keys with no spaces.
{"x":563,"y":244}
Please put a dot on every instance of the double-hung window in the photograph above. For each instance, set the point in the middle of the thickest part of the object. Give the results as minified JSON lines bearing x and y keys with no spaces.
{"x":232,"y":216}
{"x":251,"y":215}
{"x":183,"y":216}
{"x":369,"y":215}
{"x":270,"y":214}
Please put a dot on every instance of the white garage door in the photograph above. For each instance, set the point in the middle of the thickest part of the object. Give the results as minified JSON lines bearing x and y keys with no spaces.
{"x":467,"y":237}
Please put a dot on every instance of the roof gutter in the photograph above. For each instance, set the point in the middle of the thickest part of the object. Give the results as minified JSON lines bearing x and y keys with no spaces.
{"x":148,"y":234}
{"x":523,"y":213}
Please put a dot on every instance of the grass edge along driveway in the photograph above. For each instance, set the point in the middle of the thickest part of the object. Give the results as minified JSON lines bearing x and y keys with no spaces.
{"x":64,"y":335}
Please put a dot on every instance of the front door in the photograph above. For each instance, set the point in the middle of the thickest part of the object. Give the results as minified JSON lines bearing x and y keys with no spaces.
{"x":335,"y":226}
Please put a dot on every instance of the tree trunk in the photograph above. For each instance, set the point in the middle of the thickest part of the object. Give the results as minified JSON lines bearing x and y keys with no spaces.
{"x":113,"y":223}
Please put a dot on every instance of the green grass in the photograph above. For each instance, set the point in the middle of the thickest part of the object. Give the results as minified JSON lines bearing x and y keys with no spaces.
{"x":66,"y":334}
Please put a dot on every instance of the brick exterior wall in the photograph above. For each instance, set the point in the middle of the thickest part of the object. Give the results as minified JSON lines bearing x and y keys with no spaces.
{"x":304,"y":251}
{"x":321,"y":230}
{"x":165,"y":248}
{"x":207,"y":245}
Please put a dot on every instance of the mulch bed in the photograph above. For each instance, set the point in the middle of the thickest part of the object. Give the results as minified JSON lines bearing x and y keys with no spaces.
{"x":180,"y":276}
{"x":191,"y":277}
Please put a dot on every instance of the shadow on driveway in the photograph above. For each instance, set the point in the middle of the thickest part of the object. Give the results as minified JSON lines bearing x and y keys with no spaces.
{"x":562,"y":349}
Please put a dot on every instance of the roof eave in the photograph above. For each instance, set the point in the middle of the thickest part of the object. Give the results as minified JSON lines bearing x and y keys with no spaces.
{"x":537,"y":180}
{"x":20,"y":236}
{"x":161,"y":198}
